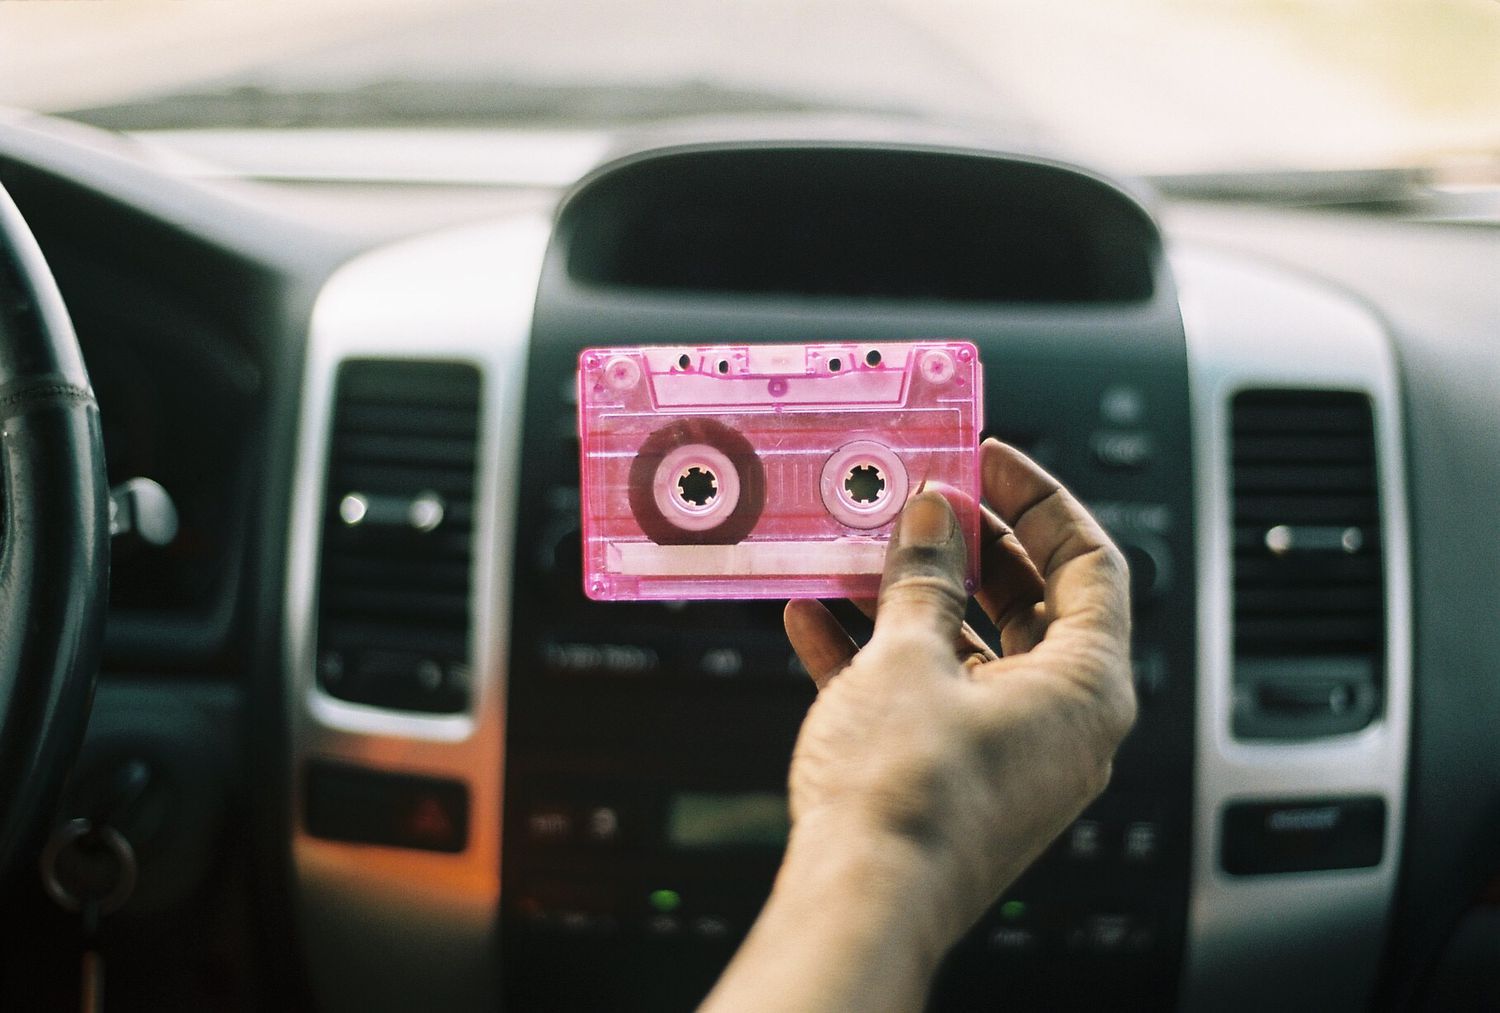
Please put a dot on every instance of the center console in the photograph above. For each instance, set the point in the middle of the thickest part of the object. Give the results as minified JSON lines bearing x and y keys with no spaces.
{"x":648,"y":744}
{"x":504,"y":793}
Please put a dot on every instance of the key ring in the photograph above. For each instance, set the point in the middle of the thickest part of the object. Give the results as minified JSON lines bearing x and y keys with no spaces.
{"x":114,"y":842}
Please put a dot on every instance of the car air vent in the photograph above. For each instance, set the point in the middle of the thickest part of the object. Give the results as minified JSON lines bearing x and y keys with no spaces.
{"x":1309,"y":609}
{"x":393,"y":602}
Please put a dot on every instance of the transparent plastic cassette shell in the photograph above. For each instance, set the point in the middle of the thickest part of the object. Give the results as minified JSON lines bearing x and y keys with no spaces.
{"x":768,"y":471}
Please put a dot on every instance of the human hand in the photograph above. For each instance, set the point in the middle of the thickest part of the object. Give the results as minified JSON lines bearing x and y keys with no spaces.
{"x":930,"y":771}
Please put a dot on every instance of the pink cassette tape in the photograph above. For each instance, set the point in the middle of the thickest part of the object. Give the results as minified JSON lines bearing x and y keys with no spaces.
{"x":768,"y":471}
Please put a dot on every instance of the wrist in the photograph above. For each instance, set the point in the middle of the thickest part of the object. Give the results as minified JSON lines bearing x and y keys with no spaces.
{"x":882,"y":878}
{"x":855,"y":921}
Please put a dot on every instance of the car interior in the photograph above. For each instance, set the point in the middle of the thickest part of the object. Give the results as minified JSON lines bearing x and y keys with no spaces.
{"x":302,"y":702}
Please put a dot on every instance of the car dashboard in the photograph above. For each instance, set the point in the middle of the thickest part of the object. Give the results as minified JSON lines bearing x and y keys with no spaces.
{"x":460,"y":783}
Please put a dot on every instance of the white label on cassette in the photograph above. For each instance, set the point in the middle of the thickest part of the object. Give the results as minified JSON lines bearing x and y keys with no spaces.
{"x":758,"y":559}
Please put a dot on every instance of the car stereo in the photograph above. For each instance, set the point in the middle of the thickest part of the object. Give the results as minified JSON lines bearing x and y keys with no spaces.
{"x":648,"y":742}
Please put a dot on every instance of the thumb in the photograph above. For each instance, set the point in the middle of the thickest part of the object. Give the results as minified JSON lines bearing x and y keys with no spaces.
{"x":922,"y":593}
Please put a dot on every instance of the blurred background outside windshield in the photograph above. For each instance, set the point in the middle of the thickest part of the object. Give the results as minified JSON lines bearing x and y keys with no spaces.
{"x":1151,"y":86}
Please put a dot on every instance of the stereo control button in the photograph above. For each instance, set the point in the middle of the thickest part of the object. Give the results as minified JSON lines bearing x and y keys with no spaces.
{"x":1150,"y":670}
{"x":1013,"y":939}
{"x":710,"y":927}
{"x":599,"y":659}
{"x":663,"y":926}
{"x":578,"y":923}
{"x":1122,"y":449}
{"x":602,"y":824}
{"x":1111,"y":933}
{"x":1142,"y":842}
{"x":1150,"y":566}
{"x":722,"y":662}
{"x":1086,"y":841}
{"x":1122,"y":405}
{"x":549,"y":824}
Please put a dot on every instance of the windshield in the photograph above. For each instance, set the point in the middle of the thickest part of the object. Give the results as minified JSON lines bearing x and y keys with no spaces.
{"x":1155,"y":86}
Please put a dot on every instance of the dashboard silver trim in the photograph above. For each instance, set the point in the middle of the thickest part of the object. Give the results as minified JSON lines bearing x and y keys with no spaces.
{"x":389,"y":928}
{"x":1305,"y":940}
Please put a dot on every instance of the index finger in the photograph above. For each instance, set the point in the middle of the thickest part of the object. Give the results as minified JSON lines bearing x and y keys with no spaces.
{"x":1086,"y":587}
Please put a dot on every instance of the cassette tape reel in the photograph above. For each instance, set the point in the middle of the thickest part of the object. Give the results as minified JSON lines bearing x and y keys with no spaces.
{"x":767,"y":471}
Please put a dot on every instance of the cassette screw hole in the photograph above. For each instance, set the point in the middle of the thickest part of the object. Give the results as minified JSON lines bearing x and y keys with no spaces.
{"x":683,"y":362}
{"x":865,"y":483}
{"x":697,"y":487}
{"x":872,"y":358}
{"x":723,"y":365}
{"x":834,"y":365}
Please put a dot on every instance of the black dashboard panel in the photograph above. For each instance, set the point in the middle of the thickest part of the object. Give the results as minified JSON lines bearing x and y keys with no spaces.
{"x":624,"y":720}
{"x":618,"y":712}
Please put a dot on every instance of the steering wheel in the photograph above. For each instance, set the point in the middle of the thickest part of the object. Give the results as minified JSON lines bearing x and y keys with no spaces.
{"x":54,"y":539}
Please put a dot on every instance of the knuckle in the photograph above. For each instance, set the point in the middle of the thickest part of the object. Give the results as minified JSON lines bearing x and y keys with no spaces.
{"x":1114,"y":705}
{"x":1105,"y":711}
{"x":1117,"y":718}
{"x":1114,"y":563}
{"x":1100,"y":774}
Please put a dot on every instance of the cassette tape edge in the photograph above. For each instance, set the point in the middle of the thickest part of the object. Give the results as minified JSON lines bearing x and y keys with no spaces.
{"x":660,"y":529}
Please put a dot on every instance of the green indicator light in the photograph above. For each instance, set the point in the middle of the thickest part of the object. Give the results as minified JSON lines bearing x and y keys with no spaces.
{"x":1012,"y":909}
{"x":665,"y":901}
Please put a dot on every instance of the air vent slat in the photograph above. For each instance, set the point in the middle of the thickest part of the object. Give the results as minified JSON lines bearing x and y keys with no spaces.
{"x":1274,"y":601}
{"x":1308,"y":577}
{"x":1306,"y":507}
{"x":1300,"y":449}
{"x":412,"y":479}
{"x":1286,"y":635}
{"x":404,"y":420}
{"x":353,"y":637}
{"x":366,"y":448}
{"x":1259,"y":567}
{"x":452,"y":575}
{"x":395,"y":580}
{"x":417,"y":383}
{"x":1289,"y":413}
{"x":1323,"y":479}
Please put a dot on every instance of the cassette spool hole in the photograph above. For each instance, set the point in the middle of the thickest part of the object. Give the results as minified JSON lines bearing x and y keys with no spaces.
{"x":865,"y":483}
{"x":697,"y":487}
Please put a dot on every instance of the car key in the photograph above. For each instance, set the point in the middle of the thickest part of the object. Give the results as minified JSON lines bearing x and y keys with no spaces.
{"x":89,"y":870}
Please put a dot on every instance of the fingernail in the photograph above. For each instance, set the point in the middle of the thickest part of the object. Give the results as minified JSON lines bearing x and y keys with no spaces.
{"x":927,"y":521}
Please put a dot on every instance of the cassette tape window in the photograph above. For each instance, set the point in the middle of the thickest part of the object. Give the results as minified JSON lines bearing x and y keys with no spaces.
{"x":767,"y":471}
